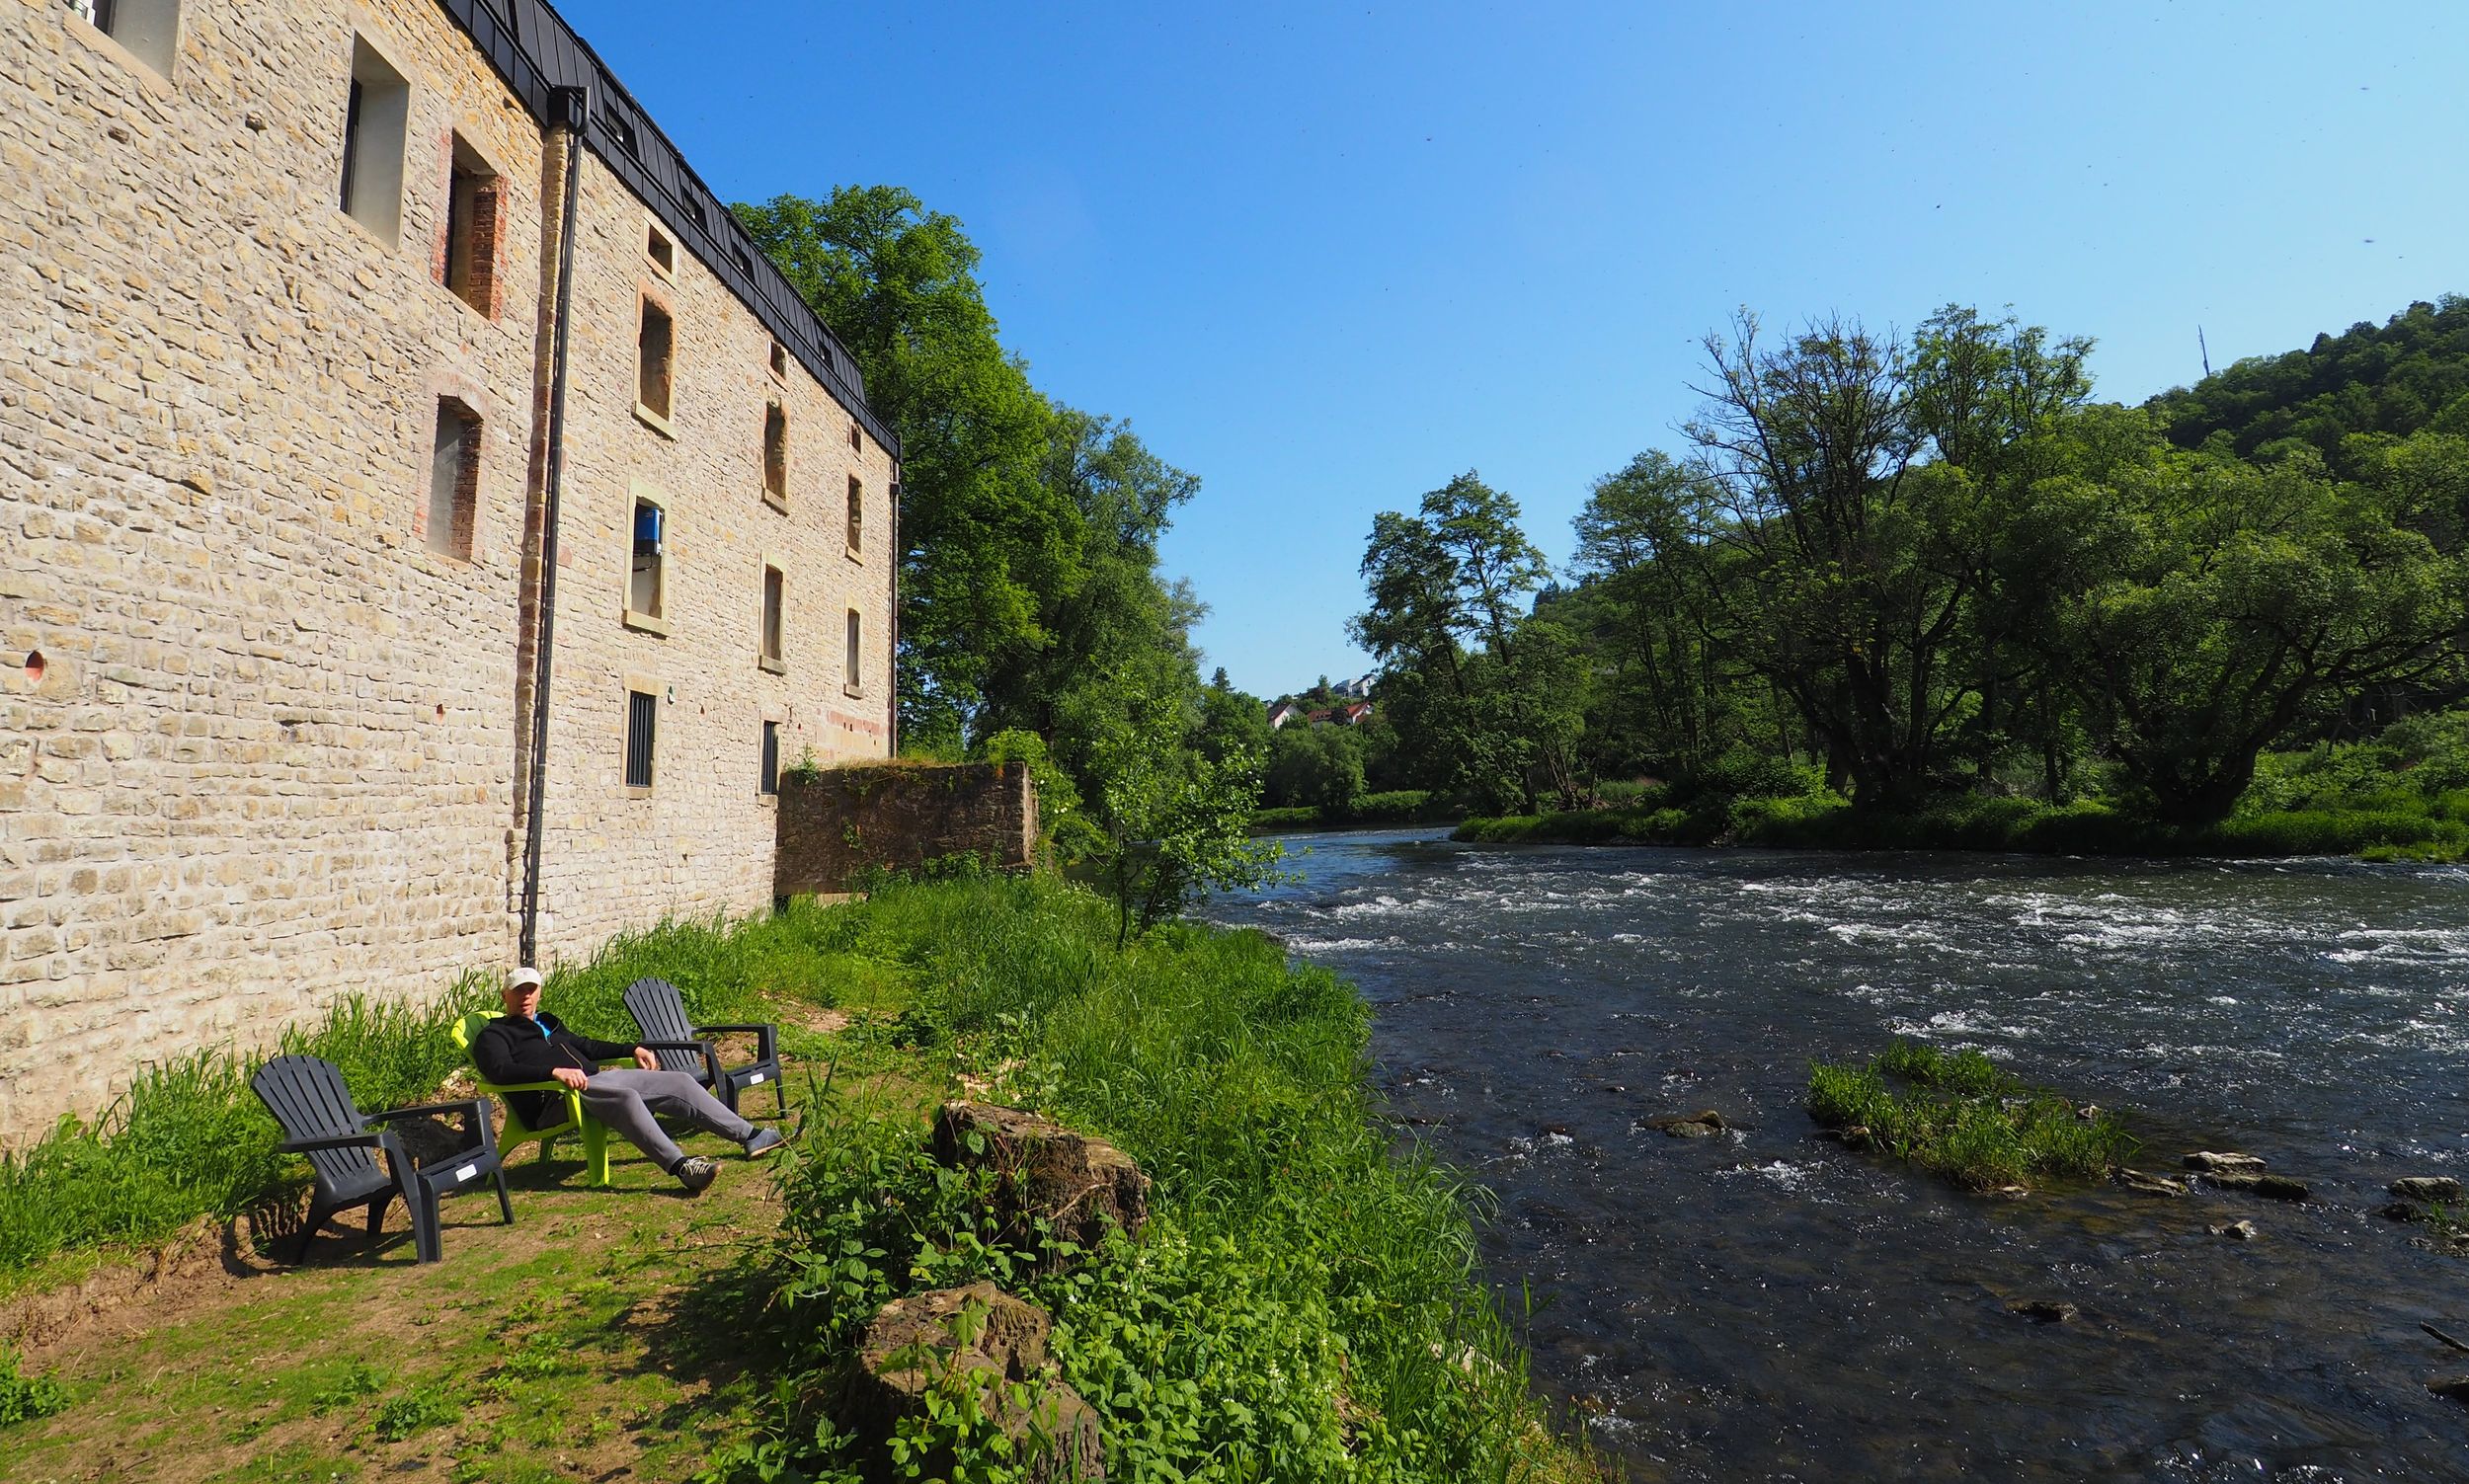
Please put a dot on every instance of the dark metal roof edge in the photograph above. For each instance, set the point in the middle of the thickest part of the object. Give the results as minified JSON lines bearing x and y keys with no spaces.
{"x":536,"y":52}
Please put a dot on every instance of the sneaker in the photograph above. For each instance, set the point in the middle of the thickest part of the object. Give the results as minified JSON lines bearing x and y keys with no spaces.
{"x":763,"y":1142}
{"x":697,"y":1174}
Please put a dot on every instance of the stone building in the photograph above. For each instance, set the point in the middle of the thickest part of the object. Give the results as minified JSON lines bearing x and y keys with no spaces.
{"x":352,"y":356}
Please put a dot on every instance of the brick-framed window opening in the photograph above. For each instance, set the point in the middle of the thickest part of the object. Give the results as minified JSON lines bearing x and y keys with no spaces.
{"x":655,"y":343}
{"x":453,"y":481}
{"x":468,"y":264}
{"x":661,"y":249}
{"x":767,"y":780}
{"x":857,"y":516}
{"x":776,"y":453}
{"x":775,"y":608}
{"x":642,"y":736}
{"x":147,"y":30}
{"x":647,"y":575}
{"x":848,"y":666}
{"x":375,"y":112}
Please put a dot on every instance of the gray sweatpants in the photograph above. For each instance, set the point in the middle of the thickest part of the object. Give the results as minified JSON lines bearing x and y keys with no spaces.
{"x":627,"y":1098}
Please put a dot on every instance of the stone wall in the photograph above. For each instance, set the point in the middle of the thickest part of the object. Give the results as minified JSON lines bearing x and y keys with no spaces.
{"x":258,"y":743}
{"x":841,"y":821}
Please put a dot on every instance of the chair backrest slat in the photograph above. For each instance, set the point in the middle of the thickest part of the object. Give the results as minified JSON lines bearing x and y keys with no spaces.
{"x":658,"y":1011}
{"x":307,"y":1097}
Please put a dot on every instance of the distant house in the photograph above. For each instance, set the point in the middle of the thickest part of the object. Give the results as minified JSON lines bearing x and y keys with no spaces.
{"x":1320,"y":718}
{"x":1355,"y":715}
{"x":1282,"y":712}
{"x":1359,"y":686}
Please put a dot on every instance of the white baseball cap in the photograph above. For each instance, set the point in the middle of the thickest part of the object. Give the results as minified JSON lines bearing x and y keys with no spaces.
{"x":525,"y":978}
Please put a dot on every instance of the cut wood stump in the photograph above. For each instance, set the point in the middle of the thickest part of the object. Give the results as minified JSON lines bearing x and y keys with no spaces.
{"x":976,"y":1339}
{"x":1078,"y":1186}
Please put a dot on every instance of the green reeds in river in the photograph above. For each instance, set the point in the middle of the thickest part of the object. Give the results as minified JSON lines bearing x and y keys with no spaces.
{"x":1963,"y":1117}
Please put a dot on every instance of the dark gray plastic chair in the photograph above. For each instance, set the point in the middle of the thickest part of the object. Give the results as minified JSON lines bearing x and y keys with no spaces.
{"x":307,"y":1097}
{"x":658,"y":1011}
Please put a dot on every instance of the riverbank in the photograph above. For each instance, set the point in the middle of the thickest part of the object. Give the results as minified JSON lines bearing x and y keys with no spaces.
{"x":1300,"y":1296}
{"x":1371,"y":812}
{"x":2438,"y":832}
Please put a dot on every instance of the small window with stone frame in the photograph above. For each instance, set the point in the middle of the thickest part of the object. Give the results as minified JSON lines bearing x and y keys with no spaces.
{"x":655,"y":349}
{"x":775,"y":656}
{"x":376,"y":111}
{"x":776,"y":454}
{"x":147,"y":30}
{"x":647,"y":570}
{"x":767,"y":780}
{"x":857,"y":516}
{"x":453,"y":481}
{"x":467,"y":262}
{"x":642,"y":737}
{"x":851,"y":681}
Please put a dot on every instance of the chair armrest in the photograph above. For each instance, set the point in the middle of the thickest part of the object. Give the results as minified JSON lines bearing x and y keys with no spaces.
{"x":703,"y":1049}
{"x":497,"y":1087}
{"x":768,"y":1037}
{"x":333,"y":1141}
{"x":460,"y":1105}
{"x":471,"y":1113}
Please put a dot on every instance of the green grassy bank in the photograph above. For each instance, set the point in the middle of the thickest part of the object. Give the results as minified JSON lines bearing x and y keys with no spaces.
{"x":2400,"y":829}
{"x":1304,"y":1304}
{"x":1408,"y":806}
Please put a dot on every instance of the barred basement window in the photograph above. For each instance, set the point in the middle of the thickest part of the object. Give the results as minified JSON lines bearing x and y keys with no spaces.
{"x":454,"y":479}
{"x":642,"y":723}
{"x":857,"y":516}
{"x":655,"y":341}
{"x":776,"y":454}
{"x":469,"y":265}
{"x":768,"y":780}
{"x":775,"y":606}
{"x":373,"y":117}
{"x":147,"y":30}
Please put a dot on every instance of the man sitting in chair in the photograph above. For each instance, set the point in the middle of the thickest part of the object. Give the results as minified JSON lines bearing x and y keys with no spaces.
{"x":527,"y":1045}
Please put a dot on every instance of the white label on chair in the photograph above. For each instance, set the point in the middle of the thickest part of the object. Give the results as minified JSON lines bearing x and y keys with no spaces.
{"x":750,"y":1082}
{"x":467,"y":1172}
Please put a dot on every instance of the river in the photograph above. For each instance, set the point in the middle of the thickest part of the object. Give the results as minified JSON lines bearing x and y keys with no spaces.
{"x":1767,"y":1306}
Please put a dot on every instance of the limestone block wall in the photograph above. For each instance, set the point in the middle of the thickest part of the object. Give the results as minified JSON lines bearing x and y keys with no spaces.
{"x":699,"y":840}
{"x":265,"y":755}
{"x":837,"y":823}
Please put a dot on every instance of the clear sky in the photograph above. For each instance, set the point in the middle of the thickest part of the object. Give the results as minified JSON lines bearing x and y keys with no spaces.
{"x":1326,"y":257}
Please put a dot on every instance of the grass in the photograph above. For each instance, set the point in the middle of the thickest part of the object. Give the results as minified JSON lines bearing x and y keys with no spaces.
{"x":1303,"y":1305}
{"x":1964,"y":1118}
{"x":1825,"y":823}
{"x":1409,"y":806}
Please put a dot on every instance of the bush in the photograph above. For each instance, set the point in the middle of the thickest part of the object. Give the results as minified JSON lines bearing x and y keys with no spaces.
{"x":27,"y":1398}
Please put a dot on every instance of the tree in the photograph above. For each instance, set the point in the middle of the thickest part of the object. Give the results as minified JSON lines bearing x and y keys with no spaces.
{"x":1316,"y":767}
{"x":2211,"y":605}
{"x":1171,"y":822}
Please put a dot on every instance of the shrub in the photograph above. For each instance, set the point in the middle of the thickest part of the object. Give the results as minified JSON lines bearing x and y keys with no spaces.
{"x":27,"y":1398}
{"x":1965,"y":1119}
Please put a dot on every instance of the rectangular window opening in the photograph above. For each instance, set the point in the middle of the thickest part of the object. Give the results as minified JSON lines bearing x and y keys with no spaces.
{"x":857,"y":516}
{"x":768,"y":780}
{"x":776,"y":452}
{"x":663,"y":252}
{"x":454,"y":479}
{"x":775,"y":606}
{"x":856,"y":440}
{"x":147,"y":30}
{"x":653,"y":342}
{"x":646,"y":579}
{"x":469,"y":269}
{"x":374,"y":114}
{"x":642,"y":724}
{"x":850,"y":666}
{"x":779,"y":361}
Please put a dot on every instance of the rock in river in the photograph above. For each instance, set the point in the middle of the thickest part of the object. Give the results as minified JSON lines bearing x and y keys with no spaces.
{"x":2236,"y":1232}
{"x":2218,"y":1163}
{"x":2152,"y":1185}
{"x":2455,"y":1388}
{"x":2271,"y":1186}
{"x":2045,"y":1310}
{"x":1696,"y":1124}
{"x":2431,"y":1189}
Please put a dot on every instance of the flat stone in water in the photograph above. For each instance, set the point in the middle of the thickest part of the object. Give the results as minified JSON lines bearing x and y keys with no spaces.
{"x":2218,"y":1163}
{"x":2045,"y":1310}
{"x":2271,"y":1186}
{"x":2236,"y":1232}
{"x":1696,"y":1124}
{"x":2152,"y":1185}
{"x":2428,"y":1188}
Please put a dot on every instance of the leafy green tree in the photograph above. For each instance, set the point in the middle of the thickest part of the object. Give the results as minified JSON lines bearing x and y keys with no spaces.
{"x":2212,"y":605}
{"x":1316,"y":767}
{"x":1171,"y":823}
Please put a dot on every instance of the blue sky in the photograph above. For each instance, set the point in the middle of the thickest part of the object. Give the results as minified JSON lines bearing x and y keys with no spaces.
{"x":1328,"y":257}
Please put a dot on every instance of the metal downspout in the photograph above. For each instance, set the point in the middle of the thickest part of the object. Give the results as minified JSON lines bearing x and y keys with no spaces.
{"x":569,"y":107}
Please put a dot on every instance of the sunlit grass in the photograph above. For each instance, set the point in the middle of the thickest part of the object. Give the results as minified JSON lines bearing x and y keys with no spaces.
{"x":1964,"y":1118}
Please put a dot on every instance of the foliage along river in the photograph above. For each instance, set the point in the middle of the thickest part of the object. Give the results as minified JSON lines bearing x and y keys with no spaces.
{"x":1766,"y":1305}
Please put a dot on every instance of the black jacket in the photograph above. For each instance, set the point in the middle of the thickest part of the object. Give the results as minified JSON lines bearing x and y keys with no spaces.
{"x":512,"y":1049}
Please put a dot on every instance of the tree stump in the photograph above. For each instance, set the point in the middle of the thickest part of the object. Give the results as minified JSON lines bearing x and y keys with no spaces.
{"x":977,"y":1338}
{"x":1076,"y":1185}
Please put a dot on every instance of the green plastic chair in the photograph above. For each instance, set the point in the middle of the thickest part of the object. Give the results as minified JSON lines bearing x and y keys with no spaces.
{"x":594,"y":1132}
